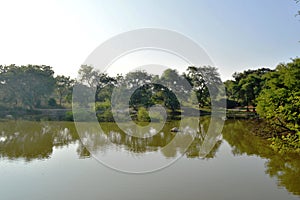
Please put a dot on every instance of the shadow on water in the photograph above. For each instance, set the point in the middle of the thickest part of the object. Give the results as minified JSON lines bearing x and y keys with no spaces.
{"x":29,"y":140}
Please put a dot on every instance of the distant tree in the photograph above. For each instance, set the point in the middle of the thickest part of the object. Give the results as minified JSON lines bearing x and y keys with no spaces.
{"x":137,"y":79}
{"x":166,"y":97}
{"x":202,"y":79}
{"x":170,"y":89}
{"x":88,"y":76}
{"x":27,"y":85}
{"x":231,"y":90}
{"x":105,"y":87}
{"x":139,"y":84}
{"x":247,"y":85}
{"x":63,"y":88}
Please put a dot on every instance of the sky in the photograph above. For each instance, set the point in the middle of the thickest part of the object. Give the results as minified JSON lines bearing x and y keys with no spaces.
{"x":237,"y":35}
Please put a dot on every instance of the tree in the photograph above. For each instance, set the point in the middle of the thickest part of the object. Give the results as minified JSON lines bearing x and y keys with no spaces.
{"x":166,"y":97}
{"x":139,"y":84}
{"x":63,"y":88}
{"x":246,"y":86}
{"x":26,"y":86}
{"x":231,"y":90}
{"x":172,"y":89}
{"x":88,"y":75}
{"x":105,"y":86}
{"x":202,"y":79}
{"x":279,"y":101}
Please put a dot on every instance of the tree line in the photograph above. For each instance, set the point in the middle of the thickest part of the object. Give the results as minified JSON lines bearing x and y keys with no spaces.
{"x":276,"y":96}
{"x":33,"y":86}
{"x":275,"y":93}
{"x":170,"y":90}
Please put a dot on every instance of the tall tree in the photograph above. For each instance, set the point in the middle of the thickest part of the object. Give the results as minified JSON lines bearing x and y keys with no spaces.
{"x":139,"y":83}
{"x":88,"y":76}
{"x":202,"y":78}
{"x":247,"y":85}
{"x":63,"y":88}
{"x":279,"y":101}
{"x":27,"y":85}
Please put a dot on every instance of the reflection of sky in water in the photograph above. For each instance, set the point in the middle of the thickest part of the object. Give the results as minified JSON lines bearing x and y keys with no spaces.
{"x":238,"y":168}
{"x":64,"y":176}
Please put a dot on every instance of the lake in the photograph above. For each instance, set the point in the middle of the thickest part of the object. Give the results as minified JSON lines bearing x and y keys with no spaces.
{"x":47,"y":160}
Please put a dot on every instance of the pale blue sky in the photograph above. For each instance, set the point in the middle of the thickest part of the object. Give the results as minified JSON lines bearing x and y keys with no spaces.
{"x":236,"y":34}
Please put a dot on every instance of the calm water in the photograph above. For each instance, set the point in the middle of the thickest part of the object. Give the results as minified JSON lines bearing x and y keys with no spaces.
{"x":46,"y":160}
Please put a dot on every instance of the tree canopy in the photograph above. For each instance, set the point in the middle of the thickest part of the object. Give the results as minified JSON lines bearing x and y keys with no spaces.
{"x":26,"y":85}
{"x":33,"y":86}
{"x":246,"y":86}
{"x":170,"y":89}
{"x":279,"y":101}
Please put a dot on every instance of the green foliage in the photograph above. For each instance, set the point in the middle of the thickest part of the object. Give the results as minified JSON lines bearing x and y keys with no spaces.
{"x":202,"y":78}
{"x":63,"y":88}
{"x":143,"y":115}
{"x":169,"y":90}
{"x":246,"y":86}
{"x":232,"y":90}
{"x":88,"y":76}
{"x":138,"y":83}
{"x":103,"y":110}
{"x":279,"y":101}
{"x":69,"y":116}
{"x":105,"y":87}
{"x":164,"y":96}
{"x":26,"y":86}
{"x":30,"y":87}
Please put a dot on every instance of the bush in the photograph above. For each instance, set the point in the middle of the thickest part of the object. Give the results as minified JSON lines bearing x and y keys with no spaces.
{"x":69,"y":116}
{"x":104,"y":113}
{"x":143,"y":115}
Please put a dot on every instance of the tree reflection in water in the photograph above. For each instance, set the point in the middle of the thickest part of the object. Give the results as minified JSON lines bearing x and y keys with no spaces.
{"x":36,"y":140}
{"x":285,"y":168}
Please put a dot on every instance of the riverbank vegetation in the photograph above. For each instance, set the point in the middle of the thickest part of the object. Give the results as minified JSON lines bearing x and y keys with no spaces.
{"x":33,"y":89}
{"x":274,"y":94}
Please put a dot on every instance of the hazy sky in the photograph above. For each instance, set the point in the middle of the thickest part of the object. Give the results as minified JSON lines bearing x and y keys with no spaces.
{"x":237,"y":35}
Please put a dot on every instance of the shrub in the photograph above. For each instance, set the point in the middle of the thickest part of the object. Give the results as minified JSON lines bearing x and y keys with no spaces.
{"x":69,"y":116}
{"x":143,"y":115}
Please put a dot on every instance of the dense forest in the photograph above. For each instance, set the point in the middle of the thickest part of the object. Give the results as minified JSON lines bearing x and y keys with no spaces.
{"x":273,"y":94}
